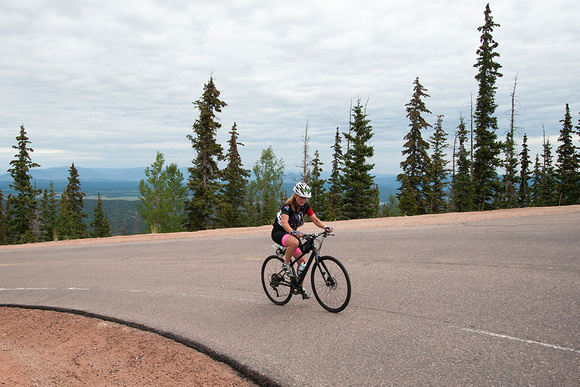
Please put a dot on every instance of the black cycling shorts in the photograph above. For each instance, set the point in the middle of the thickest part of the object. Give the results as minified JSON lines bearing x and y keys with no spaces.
{"x":277,"y":235}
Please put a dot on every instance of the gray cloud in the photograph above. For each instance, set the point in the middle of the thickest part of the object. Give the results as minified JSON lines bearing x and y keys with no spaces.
{"x":107,"y":84}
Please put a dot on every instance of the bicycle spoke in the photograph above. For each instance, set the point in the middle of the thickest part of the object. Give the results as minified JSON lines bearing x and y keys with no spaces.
{"x":331,"y":284}
{"x":276,"y":287}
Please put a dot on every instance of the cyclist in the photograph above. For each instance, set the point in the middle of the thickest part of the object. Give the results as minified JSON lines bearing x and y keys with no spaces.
{"x":289,"y":218}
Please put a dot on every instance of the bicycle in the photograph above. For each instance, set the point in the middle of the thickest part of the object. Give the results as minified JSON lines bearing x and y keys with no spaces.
{"x":329,"y":279}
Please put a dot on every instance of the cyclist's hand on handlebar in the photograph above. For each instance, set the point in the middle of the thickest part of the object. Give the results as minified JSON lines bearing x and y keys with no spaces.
{"x":328,"y":229}
{"x":296,"y":233}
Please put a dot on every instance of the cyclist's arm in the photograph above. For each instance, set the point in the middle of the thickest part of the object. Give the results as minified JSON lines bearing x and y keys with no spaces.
{"x":316,"y":221}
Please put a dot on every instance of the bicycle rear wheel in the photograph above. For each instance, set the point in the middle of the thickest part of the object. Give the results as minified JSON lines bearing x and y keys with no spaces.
{"x":276,"y":286}
{"x":331,"y":284}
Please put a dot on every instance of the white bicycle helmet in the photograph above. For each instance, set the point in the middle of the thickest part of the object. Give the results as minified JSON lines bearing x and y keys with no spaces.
{"x":302,"y":189}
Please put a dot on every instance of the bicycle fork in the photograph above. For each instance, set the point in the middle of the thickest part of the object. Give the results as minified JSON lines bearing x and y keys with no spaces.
{"x":328,"y":280}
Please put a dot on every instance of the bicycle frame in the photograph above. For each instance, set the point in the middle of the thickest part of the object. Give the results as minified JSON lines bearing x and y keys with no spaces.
{"x":296,"y":281}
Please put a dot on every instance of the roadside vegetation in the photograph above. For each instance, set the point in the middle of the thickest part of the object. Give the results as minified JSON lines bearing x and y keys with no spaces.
{"x":487,"y":170}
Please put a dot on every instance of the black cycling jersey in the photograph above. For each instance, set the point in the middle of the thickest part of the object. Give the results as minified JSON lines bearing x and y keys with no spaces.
{"x":295,"y":218}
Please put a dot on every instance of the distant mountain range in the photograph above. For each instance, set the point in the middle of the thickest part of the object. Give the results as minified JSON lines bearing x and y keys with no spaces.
{"x":85,"y":174}
{"x":137,"y":174}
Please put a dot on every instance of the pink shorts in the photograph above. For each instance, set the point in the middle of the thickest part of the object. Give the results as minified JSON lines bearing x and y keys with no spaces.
{"x":298,"y":252}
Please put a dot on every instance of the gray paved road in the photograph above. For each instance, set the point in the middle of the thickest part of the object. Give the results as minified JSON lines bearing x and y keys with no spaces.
{"x":483,"y":303}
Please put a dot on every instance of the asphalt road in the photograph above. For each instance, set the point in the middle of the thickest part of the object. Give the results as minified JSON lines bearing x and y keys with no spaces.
{"x":482,"y":303}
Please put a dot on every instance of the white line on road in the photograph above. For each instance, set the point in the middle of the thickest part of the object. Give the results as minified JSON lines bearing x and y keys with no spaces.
{"x":516,"y":339}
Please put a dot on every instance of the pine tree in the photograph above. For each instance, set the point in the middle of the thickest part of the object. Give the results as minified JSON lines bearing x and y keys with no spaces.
{"x":235,"y":178}
{"x":487,"y":147}
{"x":21,"y":209}
{"x":414,"y":189}
{"x":3,"y":236}
{"x":204,"y":180}
{"x":567,"y":170}
{"x":163,"y":197}
{"x":359,"y":199}
{"x":65,"y":221}
{"x":334,"y":181}
{"x":524,"y":190}
{"x":49,"y":215}
{"x":535,"y":191}
{"x":438,"y":171}
{"x":318,"y":201}
{"x":510,"y":177}
{"x":100,"y":227}
{"x":548,"y":182}
{"x":578,"y":149}
{"x":71,"y":224}
{"x":462,"y":184}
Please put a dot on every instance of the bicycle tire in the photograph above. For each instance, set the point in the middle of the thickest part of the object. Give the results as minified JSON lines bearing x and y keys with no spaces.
{"x":331,"y":284}
{"x":276,"y":286}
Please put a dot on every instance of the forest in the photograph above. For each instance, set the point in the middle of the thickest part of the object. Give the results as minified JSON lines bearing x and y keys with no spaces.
{"x":484,"y":172}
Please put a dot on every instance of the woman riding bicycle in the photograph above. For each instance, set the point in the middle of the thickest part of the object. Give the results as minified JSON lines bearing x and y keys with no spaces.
{"x":289,"y":218}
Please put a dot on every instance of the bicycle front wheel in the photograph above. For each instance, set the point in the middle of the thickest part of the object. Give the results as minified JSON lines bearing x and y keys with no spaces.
{"x":276,"y":286}
{"x":331,"y":284}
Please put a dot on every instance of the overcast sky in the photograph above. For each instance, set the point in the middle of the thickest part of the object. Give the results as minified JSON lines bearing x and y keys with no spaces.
{"x":109,"y":83}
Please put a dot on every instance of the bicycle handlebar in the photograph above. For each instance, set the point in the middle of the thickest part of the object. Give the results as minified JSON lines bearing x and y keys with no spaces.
{"x":317,"y":234}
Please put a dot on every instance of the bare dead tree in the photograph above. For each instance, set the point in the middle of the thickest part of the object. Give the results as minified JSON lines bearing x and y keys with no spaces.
{"x":306,"y":161}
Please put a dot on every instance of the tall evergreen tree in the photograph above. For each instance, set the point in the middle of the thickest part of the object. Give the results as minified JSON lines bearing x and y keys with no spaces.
{"x":265,"y":193}
{"x":334,"y":181}
{"x":318,"y":201}
{"x":235,"y":178}
{"x":568,"y":166}
{"x":65,"y":222}
{"x":71,"y":224}
{"x":487,"y":147}
{"x":49,"y":215}
{"x":414,"y":188}
{"x":462,"y":184}
{"x":359,"y":199}
{"x":204,"y":180}
{"x":100,"y":227}
{"x":510,"y":177}
{"x":578,"y":150}
{"x":438,"y":171}
{"x":535,"y":189}
{"x":548,"y":195}
{"x":524,"y":190}
{"x":21,"y":208}
{"x":3,"y":236}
